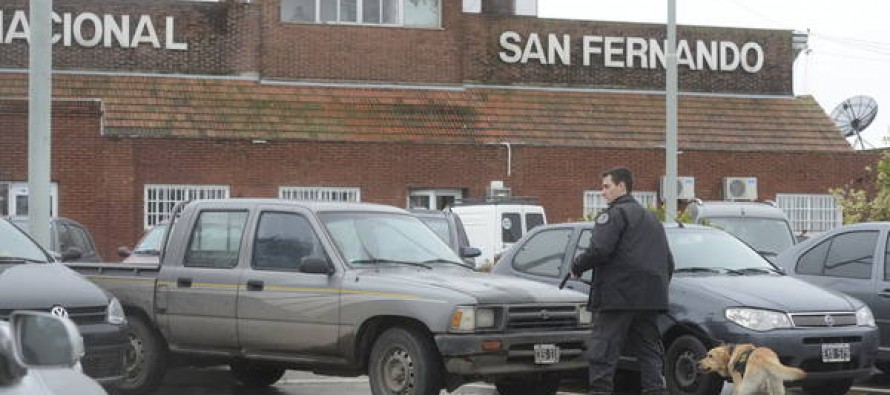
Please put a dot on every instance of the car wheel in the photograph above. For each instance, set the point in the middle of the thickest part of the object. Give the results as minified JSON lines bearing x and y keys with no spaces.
{"x":145,"y":359}
{"x":256,"y":374}
{"x":542,"y":385}
{"x":681,"y":370}
{"x":404,"y":362}
{"x":828,"y":387}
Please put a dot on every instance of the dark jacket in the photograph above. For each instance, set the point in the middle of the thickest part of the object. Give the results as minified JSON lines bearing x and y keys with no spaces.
{"x":632,"y":264}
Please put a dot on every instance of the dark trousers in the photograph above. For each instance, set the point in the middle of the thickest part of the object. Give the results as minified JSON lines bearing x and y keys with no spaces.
{"x":613,"y":331}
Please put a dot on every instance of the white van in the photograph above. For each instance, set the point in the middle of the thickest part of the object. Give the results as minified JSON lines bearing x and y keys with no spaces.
{"x":493,"y":225}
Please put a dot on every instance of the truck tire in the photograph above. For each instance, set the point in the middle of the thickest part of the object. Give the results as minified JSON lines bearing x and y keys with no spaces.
{"x":543,"y":385}
{"x":828,"y":387}
{"x":145,"y":362}
{"x":681,"y":369}
{"x":256,"y":374}
{"x":404,"y":362}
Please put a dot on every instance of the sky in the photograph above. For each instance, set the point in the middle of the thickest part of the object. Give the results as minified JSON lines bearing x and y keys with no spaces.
{"x":849,"y":41}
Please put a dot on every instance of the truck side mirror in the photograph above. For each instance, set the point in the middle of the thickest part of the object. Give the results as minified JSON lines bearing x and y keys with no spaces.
{"x":71,"y":254}
{"x":470,"y":252}
{"x":314,"y":265}
{"x":123,"y":252}
{"x":44,"y":340}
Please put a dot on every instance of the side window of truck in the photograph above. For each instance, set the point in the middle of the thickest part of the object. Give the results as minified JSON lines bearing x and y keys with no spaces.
{"x":283,"y":240}
{"x":215,"y":241}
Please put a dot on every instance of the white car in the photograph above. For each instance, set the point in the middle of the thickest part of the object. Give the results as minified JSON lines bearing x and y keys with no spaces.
{"x":40,"y":354}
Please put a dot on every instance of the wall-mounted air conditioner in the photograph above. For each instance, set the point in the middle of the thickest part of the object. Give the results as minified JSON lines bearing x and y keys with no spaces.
{"x":496,"y":189}
{"x":740,"y":188}
{"x":685,"y":188}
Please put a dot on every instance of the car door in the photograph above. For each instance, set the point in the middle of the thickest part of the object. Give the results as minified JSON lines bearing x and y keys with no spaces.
{"x":880,"y":304}
{"x":844,"y":262}
{"x":282,"y":310}
{"x":200,"y":293}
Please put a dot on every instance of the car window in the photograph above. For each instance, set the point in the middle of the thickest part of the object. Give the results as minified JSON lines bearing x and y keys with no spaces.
{"x":82,"y":240}
{"x":66,"y":237}
{"x":283,"y":240}
{"x":812,"y":261}
{"x":887,"y":261}
{"x":14,"y":243}
{"x":709,"y":248}
{"x":532,"y":220}
{"x":766,"y":235}
{"x":215,"y":241}
{"x":440,"y":226}
{"x":511,"y":225}
{"x":851,"y":255}
{"x":543,"y":253}
{"x":583,"y":245}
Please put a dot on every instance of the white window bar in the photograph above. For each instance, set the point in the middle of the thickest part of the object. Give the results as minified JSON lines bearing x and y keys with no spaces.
{"x":159,"y":199}
{"x":594,"y":202}
{"x":321,"y":194}
{"x":810,"y":212}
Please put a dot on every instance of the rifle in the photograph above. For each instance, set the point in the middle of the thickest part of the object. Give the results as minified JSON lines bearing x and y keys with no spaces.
{"x":565,"y":279}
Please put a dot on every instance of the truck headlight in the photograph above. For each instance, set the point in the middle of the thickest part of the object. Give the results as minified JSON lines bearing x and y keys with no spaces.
{"x":585,"y":317}
{"x":469,"y":319}
{"x":758,"y":320}
{"x":114,"y":314}
{"x":864,"y":317}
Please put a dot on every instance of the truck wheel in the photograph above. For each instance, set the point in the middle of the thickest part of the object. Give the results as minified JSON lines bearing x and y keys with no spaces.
{"x":544,"y":385}
{"x":145,"y":361}
{"x":828,"y":387}
{"x":681,"y":369}
{"x":256,"y":374}
{"x":404,"y":362}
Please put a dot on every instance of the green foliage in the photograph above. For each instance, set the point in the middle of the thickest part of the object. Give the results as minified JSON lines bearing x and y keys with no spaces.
{"x":855,"y":202}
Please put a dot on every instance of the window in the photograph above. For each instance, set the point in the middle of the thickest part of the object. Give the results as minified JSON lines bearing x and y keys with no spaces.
{"x":433,"y":199}
{"x":160,"y":199}
{"x":410,"y":13}
{"x":848,"y":255}
{"x":594,"y":202}
{"x":283,"y":240}
{"x":321,"y":194}
{"x":511,"y":227}
{"x":583,"y":245}
{"x":216,"y":239}
{"x":810,"y":213}
{"x":533,"y":220}
{"x":544,"y":252}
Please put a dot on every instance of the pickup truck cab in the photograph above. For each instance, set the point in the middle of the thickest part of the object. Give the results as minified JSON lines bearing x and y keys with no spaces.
{"x":341,"y":289}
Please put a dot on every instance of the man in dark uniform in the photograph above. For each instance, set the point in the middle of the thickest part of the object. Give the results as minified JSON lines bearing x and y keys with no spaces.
{"x":632,"y":266}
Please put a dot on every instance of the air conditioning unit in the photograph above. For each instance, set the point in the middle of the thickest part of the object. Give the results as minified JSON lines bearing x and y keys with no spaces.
{"x":497,"y":190}
{"x":740,"y":188}
{"x":685,"y":188}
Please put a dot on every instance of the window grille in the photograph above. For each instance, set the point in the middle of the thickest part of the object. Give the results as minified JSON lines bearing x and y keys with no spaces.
{"x":321,"y":194}
{"x":160,"y":199}
{"x":594,"y":202}
{"x":810,"y":212}
{"x":410,"y":13}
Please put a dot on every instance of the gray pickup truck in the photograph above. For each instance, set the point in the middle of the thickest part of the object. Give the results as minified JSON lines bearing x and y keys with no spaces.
{"x":339,"y":289}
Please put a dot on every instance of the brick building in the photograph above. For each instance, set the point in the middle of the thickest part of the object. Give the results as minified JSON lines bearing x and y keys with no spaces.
{"x":402,"y":102}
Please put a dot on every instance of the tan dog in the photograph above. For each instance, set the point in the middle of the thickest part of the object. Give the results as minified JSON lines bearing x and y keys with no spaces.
{"x":753,"y":370}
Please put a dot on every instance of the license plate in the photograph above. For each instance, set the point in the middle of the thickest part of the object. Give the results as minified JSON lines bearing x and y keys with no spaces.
{"x":546,"y":354}
{"x":836,"y":352}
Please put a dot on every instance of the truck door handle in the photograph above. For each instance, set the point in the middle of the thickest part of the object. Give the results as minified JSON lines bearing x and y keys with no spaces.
{"x":254,"y":285}
{"x":183,"y":282}
{"x":885,"y":293}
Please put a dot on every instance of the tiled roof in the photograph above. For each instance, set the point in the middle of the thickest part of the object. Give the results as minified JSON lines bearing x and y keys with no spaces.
{"x":151,"y":106}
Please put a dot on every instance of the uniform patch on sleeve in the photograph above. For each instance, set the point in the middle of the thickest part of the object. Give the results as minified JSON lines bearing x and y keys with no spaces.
{"x":603,"y":219}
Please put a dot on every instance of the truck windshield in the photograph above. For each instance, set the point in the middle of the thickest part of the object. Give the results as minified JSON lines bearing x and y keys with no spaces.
{"x":768,"y":236}
{"x":15,"y":245}
{"x":386,"y":238}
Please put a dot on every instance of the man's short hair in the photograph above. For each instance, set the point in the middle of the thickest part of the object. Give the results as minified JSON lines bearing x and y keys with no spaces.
{"x":619,"y":175}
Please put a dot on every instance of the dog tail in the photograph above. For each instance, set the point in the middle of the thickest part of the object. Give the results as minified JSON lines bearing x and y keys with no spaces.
{"x":788,"y":373}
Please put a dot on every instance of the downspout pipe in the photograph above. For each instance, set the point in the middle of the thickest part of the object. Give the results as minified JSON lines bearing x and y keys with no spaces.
{"x":509,"y":156}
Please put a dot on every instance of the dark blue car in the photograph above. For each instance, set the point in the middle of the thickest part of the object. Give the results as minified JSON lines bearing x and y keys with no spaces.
{"x":722,"y":290}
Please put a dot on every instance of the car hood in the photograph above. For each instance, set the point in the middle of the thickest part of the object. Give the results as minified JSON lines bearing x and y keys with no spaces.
{"x":39,"y":286}
{"x":771,"y":292}
{"x":484,"y":287}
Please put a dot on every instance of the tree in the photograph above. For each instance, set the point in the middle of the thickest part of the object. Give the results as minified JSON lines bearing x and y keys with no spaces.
{"x":855,"y":202}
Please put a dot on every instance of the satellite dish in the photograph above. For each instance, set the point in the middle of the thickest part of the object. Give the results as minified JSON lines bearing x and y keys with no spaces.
{"x":854,"y":115}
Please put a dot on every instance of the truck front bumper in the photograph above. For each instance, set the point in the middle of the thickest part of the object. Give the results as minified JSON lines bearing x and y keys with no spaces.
{"x":464,"y":354}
